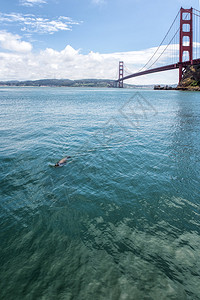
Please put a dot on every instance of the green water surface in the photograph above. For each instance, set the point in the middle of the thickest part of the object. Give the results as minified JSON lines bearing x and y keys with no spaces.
{"x":122,"y":219}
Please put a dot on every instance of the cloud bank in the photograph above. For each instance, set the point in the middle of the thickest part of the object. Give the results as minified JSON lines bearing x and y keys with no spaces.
{"x":19,"y":62}
{"x":33,"y":24}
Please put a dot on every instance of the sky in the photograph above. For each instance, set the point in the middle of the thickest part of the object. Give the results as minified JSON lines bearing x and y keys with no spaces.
{"x":76,"y":39}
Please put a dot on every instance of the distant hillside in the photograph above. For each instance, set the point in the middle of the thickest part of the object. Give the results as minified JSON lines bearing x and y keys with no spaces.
{"x":70,"y":83}
{"x":61,"y":83}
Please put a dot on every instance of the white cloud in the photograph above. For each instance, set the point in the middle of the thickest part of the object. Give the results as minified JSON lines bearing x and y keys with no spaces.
{"x":32,"y":2}
{"x":30,"y":23}
{"x":13,"y":43}
{"x":72,"y":64}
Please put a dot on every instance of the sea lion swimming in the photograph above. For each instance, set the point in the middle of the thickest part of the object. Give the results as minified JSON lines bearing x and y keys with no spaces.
{"x":62,"y":162}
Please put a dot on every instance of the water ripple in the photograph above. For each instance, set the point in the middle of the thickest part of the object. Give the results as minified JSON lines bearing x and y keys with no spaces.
{"x":121,"y":219}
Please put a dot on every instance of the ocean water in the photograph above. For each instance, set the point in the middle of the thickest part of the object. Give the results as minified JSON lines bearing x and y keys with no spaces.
{"x":121,"y":220}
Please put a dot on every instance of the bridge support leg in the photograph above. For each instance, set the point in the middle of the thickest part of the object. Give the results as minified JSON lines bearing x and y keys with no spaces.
{"x":121,"y":74}
{"x":180,"y":73}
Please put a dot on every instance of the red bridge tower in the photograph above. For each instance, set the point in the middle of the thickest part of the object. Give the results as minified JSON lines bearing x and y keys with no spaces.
{"x":184,"y":22}
{"x":121,"y":74}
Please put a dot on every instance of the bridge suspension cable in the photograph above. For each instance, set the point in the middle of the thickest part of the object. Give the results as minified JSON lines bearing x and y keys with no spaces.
{"x":196,"y":16}
{"x":196,"y":10}
{"x":163,"y":51}
{"x":161,"y":42}
{"x":127,"y":71}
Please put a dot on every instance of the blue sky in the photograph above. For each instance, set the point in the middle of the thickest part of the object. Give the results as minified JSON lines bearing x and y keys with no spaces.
{"x":82,"y":38}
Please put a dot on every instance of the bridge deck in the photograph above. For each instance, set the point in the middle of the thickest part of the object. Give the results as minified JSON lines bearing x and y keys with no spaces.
{"x":160,"y":69}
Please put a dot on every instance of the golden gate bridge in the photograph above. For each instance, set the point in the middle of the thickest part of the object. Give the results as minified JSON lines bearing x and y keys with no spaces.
{"x":184,"y":36}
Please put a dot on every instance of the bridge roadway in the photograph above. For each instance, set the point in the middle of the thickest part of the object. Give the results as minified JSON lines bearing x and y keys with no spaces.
{"x":160,"y":69}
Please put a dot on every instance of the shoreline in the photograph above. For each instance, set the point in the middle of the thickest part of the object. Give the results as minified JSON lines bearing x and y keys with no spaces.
{"x":178,"y":88}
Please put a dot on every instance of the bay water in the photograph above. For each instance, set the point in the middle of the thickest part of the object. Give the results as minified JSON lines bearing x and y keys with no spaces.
{"x":121,"y":220}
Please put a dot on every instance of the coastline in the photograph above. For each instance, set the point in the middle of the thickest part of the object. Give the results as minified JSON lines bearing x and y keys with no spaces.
{"x":178,"y":88}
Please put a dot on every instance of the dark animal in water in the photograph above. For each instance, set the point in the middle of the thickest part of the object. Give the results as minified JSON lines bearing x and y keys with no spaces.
{"x":62,"y":162}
